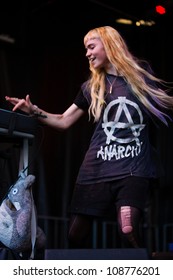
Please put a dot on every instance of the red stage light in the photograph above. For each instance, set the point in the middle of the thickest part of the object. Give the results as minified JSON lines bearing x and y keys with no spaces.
{"x":160,"y":9}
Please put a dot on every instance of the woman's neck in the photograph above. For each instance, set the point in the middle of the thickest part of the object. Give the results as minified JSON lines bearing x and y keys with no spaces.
{"x":110,"y":69}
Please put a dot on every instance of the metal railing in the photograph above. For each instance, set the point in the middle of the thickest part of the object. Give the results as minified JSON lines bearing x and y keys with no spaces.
{"x":105,"y":234}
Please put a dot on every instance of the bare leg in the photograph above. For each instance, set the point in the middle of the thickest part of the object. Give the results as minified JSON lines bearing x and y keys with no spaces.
{"x":128,"y":223}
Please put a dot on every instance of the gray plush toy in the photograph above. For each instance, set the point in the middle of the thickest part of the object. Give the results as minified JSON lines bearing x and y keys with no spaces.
{"x":18,"y":221}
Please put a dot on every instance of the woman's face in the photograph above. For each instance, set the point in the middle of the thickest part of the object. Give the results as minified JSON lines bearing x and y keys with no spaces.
{"x":96,"y":54}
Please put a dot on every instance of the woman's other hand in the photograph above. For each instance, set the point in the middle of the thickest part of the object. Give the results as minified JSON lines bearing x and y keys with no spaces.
{"x":24,"y":105}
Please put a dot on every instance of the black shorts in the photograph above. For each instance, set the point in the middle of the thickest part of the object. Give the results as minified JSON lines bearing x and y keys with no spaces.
{"x":102,"y":199}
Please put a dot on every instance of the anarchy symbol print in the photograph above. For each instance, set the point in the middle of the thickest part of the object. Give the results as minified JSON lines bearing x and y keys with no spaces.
{"x":122,"y":106}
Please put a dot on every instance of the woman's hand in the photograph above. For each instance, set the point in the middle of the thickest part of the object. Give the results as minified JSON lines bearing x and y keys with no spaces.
{"x":24,"y":105}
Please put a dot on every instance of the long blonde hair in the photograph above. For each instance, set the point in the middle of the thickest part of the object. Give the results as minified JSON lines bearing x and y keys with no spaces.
{"x":129,"y":67}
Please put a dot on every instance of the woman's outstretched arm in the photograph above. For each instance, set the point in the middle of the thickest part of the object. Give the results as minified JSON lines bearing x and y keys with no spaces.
{"x":58,"y":121}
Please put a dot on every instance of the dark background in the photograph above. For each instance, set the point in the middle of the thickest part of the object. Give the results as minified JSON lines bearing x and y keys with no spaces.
{"x":42,"y":53}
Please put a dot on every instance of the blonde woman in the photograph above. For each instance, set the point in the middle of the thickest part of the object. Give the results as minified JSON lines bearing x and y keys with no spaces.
{"x":121,"y":96}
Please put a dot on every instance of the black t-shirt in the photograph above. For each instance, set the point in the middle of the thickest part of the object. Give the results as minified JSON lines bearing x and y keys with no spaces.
{"x":120,"y":145}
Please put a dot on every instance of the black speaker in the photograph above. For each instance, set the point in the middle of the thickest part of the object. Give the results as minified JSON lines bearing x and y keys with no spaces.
{"x":96,"y":254}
